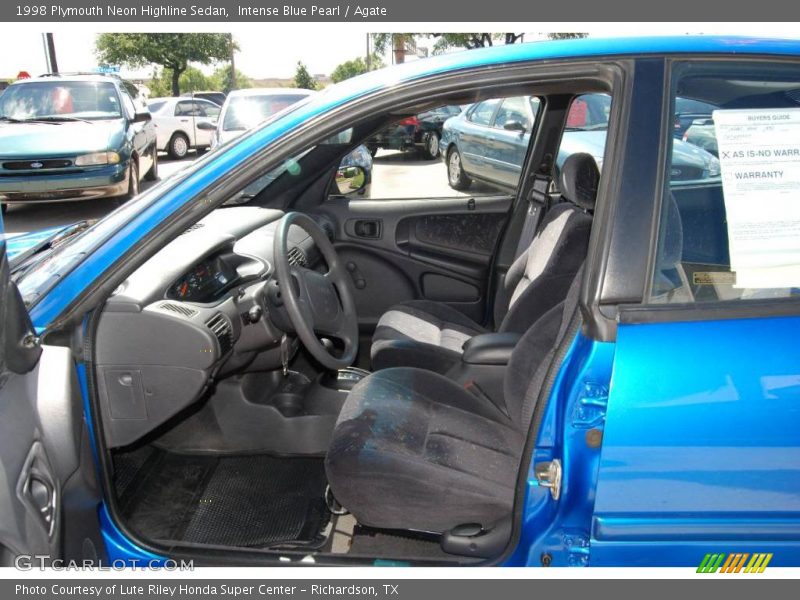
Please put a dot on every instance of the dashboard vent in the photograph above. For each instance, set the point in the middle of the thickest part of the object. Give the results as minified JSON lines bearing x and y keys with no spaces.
{"x":297,"y":258}
{"x":222,"y":330}
{"x":178,"y":308}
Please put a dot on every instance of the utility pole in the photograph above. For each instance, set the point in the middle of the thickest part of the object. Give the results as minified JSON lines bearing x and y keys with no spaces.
{"x":50,"y":53}
{"x":368,"y":57}
{"x":232,"y":81}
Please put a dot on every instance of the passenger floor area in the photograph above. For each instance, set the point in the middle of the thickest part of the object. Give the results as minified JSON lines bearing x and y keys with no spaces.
{"x":243,"y":501}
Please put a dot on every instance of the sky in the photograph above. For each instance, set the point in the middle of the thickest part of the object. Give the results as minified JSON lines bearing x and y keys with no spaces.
{"x":268,"y":51}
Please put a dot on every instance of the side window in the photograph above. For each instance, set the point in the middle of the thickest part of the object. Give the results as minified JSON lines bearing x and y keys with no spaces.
{"x":482,"y":113}
{"x":130,"y":107}
{"x":729,"y":226}
{"x":513,"y":111}
{"x":585,"y":130}
{"x":184,"y":108}
{"x":209,"y":109}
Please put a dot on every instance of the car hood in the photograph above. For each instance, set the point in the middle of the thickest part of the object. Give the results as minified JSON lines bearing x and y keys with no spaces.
{"x":594,"y":143}
{"x":38,"y":140}
{"x":17,"y":245}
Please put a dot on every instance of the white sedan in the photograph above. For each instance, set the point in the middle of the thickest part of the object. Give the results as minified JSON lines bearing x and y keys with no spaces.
{"x":183,"y":123}
{"x":244,"y":109}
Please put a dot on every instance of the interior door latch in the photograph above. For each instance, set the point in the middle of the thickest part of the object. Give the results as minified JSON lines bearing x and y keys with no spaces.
{"x":548,"y":474}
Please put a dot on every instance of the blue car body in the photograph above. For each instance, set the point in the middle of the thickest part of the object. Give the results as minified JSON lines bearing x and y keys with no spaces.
{"x":699,"y":415}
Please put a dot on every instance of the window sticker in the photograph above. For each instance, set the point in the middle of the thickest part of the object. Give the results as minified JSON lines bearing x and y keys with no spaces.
{"x":759,"y":152}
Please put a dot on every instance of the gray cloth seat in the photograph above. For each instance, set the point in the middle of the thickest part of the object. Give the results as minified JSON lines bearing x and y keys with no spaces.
{"x":430,"y":334}
{"x":414,"y":450}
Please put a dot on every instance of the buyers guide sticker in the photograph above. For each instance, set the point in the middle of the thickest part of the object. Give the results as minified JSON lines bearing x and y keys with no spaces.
{"x":759,"y":153}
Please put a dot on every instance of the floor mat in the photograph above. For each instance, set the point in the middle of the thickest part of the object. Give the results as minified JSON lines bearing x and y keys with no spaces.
{"x":244,"y":501}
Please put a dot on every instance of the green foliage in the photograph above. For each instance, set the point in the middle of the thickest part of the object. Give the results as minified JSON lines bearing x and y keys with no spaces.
{"x":354,"y":67}
{"x":221,"y":78}
{"x":172,"y":51}
{"x":303,"y":79}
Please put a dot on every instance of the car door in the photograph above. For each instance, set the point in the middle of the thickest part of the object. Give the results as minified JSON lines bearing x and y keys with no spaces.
{"x":205,"y":112}
{"x":701,"y":448}
{"x":512,"y":127}
{"x":475,"y":139}
{"x":48,"y":491}
{"x":185,"y":113}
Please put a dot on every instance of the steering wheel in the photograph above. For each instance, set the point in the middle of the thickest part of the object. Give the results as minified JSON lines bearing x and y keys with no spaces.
{"x":317,"y":303}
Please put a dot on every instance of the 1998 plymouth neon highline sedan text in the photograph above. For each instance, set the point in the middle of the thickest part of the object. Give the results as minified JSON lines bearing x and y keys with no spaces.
{"x":594,"y":364}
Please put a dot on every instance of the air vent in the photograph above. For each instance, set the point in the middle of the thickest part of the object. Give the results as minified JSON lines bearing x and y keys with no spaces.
{"x":178,"y":308}
{"x":194,"y":227}
{"x":222,"y":330}
{"x":297,"y":257}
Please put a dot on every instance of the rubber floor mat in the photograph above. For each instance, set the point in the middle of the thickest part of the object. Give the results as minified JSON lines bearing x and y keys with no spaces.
{"x":243,"y":501}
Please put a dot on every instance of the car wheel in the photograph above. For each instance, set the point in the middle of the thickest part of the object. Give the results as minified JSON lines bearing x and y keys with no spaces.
{"x":152,"y":174}
{"x":456,"y":177}
{"x":431,"y":148}
{"x":178,"y":146}
{"x":133,"y":180}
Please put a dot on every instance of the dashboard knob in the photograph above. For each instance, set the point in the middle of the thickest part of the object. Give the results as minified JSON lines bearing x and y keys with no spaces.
{"x":254,"y":314}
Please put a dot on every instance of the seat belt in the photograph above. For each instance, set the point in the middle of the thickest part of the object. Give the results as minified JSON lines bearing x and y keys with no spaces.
{"x":537,"y":204}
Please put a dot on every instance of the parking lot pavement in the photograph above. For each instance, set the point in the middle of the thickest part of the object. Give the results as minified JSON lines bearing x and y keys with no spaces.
{"x":394,"y":175}
{"x":30,"y":217}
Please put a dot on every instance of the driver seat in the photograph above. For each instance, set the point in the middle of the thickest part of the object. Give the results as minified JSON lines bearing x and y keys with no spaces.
{"x":414,"y":450}
{"x":431,"y":335}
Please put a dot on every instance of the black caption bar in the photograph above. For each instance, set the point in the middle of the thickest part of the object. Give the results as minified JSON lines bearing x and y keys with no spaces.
{"x":423,"y":11}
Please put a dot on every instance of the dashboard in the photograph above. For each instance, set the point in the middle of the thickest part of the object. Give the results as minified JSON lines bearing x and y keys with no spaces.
{"x":192,"y":313}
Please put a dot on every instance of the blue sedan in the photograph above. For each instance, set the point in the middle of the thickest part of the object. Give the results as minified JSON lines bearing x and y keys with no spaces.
{"x":252,"y":364}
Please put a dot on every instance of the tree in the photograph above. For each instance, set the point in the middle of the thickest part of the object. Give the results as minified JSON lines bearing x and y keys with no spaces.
{"x":172,"y":51}
{"x":191,"y":80}
{"x":221,"y":80}
{"x":303,"y":79}
{"x":354,"y":67}
{"x":400,"y":43}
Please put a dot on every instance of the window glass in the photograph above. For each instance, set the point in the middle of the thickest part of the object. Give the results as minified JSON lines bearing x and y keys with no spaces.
{"x":514,"y":110}
{"x":730,"y":218}
{"x":247,"y":111}
{"x":130,"y":108}
{"x":209,"y":109}
{"x":184,"y":108}
{"x":483,"y":112}
{"x":154,"y":107}
{"x":58,"y":99}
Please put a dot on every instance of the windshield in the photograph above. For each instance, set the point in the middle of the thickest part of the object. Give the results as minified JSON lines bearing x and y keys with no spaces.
{"x":60,"y":100}
{"x":245,"y":112}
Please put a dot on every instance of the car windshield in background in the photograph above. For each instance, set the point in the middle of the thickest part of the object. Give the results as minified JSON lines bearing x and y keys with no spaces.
{"x":245,"y":112}
{"x":60,"y":100}
{"x":589,"y":112}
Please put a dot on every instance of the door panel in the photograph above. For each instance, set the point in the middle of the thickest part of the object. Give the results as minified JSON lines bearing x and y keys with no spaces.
{"x":433,"y":249}
{"x":701,"y":443}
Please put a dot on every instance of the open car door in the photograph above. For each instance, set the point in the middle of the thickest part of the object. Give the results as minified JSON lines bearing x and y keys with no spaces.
{"x":48,"y":491}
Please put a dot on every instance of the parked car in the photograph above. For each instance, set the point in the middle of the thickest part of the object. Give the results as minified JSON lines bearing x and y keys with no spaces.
{"x":181,"y":380}
{"x":702,"y":134}
{"x":73,"y":137}
{"x":217,"y":98}
{"x":244,"y":109}
{"x":687,"y":111}
{"x":488,"y":141}
{"x":183,"y":124}
{"x":420,"y":133}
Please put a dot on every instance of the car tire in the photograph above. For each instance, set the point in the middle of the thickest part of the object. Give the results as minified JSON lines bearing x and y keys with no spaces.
{"x":430,"y":149}
{"x":152,"y":174}
{"x":133,"y":180}
{"x":456,"y":177}
{"x":178,"y":146}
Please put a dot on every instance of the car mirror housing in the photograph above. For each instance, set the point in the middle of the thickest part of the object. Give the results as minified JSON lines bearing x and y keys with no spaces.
{"x":207,"y":126}
{"x":515,"y":126}
{"x":142,"y":117}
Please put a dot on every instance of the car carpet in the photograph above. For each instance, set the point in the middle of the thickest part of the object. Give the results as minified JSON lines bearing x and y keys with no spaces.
{"x":242,"y":501}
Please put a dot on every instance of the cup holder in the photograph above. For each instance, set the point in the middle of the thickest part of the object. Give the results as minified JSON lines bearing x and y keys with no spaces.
{"x":289,"y":405}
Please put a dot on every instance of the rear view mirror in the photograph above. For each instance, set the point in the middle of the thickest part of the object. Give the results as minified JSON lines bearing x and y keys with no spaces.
{"x":350,"y":180}
{"x":142,"y":117}
{"x":207,"y":126}
{"x":515,"y":126}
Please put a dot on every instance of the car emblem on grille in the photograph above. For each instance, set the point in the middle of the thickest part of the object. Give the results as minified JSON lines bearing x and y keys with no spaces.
{"x":36,"y":165}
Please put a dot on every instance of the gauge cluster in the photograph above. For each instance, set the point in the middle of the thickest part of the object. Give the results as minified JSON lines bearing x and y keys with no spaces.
{"x":205,"y":282}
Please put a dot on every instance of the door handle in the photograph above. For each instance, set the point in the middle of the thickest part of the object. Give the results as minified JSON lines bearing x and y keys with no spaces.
{"x":37,"y":489}
{"x":367,"y":228}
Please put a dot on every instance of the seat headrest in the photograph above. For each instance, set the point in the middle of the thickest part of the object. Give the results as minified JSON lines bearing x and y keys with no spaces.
{"x":579,"y":180}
